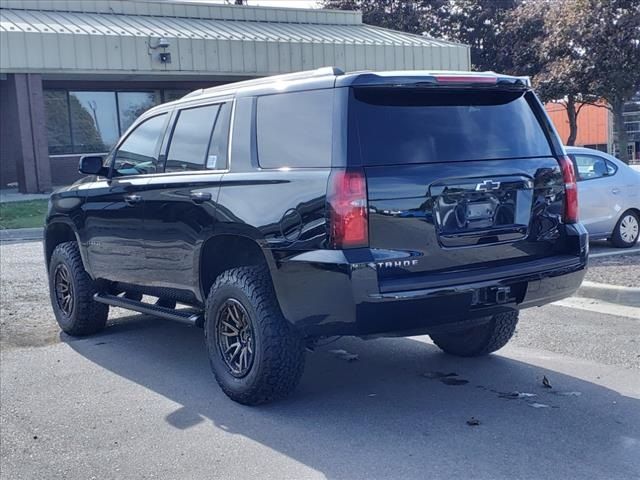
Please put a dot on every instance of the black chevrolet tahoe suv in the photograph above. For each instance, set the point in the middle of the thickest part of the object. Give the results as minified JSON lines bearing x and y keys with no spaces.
{"x":283,"y":210}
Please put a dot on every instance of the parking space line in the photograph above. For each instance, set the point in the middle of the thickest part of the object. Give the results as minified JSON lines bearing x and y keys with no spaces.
{"x":599,"y":306}
{"x":624,"y":251}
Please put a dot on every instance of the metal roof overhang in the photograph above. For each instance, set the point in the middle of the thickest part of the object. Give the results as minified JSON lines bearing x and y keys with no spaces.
{"x":71,"y":43}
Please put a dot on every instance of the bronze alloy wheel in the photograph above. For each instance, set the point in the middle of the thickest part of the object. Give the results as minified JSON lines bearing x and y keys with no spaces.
{"x":235,"y":337}
{"x":64,"y":289}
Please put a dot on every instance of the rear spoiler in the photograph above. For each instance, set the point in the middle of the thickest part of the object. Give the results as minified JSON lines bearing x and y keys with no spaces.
{"x":434,"y":79}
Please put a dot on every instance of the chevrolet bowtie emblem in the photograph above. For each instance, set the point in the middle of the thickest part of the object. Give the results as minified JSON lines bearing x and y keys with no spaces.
{"x":487,"y":186}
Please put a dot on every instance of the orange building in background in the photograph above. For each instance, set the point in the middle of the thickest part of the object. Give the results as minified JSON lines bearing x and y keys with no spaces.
{"x":594,"y":125}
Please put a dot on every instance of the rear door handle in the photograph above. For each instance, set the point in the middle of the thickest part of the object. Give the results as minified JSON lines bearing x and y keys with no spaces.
{"x":132,"y":199}
{"x":200,"y":197}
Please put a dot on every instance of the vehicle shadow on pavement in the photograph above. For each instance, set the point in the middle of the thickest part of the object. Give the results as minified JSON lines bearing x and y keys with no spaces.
{"x":387,"y":414}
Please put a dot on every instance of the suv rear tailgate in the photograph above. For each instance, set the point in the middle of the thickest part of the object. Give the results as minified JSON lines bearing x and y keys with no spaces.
{"x":458,"y":180}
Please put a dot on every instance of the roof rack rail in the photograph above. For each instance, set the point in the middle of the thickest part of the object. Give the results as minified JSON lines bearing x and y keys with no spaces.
{"x":318,"y":72}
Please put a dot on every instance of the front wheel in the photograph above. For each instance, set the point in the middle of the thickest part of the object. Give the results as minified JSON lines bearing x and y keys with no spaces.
{"x":72,"y":291}
{"x":627,"y":230}
{"x":481,"y":339}
{"x":255,"y":354}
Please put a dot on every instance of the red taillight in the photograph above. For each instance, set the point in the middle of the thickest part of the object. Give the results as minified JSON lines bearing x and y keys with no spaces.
{"x":466,"y":79}
{"x":571,"y":190}
{"x":347,"y":203}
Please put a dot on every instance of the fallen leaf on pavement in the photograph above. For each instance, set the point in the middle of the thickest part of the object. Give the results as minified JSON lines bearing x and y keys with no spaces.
{"x":473,"y":422}
{"x":454,"y":381}
{"x":516,"y":395}
{"x":437,"y":375}
{"x":545,"y":382}
{"x":344,"y":355}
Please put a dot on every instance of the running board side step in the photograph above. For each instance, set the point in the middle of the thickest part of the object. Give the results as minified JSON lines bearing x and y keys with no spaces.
{"x":183,"y":316}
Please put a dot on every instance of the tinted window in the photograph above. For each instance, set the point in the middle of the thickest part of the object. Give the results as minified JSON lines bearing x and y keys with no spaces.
{"x":139,"y":152}
{"x":391,"y":126}
{"x":190,"y":139}
{"x":592,"y":166}
{"x":217,"y":156}
{"x":294,"y":129}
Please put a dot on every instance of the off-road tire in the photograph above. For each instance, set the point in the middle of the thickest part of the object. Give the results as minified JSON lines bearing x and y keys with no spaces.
{"x":481,"y":339}
{"x":278,"y":359}
{"x":87,"y":316}
{"x":616,"y":237}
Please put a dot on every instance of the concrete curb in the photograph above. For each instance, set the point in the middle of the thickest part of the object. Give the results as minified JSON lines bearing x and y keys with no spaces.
{"x":628,"y":296}
{"x":21,"y":234}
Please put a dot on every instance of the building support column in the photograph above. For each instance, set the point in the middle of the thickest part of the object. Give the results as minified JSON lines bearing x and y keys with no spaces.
{"x":25,"y":111}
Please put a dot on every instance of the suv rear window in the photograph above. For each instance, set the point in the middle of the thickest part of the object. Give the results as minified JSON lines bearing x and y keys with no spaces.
{"x":396,"y":125}
{"x":294,"y":129}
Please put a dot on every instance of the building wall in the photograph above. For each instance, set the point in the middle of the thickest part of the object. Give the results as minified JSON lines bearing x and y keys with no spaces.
{"x":593,"y":124}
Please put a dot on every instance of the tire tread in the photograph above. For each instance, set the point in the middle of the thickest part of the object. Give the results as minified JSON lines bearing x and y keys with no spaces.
{"x":90,"y":316}
{"x":616,"y":238}
{"x":283,"y":350}
{"x":497,"y":333}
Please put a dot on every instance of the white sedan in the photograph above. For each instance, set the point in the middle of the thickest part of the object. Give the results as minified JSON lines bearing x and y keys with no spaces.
{"x":608,"y":196}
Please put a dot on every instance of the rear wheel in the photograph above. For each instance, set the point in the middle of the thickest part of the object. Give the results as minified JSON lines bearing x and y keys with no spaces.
{"x":627,"y":230}
{"x":481,"y":339}
{"x":72,"y":291}
{"x":254,"y":353}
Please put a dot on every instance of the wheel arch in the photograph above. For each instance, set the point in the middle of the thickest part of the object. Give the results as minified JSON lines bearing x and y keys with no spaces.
{"x":225,"y":251}
{"x":635,"y":210}
{"x":57,"y":232}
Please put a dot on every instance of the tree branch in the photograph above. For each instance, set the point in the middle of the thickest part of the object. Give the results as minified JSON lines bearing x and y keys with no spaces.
{"x":596,"y":104}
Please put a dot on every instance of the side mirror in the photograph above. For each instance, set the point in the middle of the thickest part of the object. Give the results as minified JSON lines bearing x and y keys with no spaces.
{"x":92,"y":165}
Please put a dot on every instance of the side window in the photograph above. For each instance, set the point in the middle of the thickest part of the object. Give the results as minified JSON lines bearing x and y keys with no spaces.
{"x":218,"y":147}
{"x":611,"y":168}
{"x":295,"y":129}
{"x":138,"y":153}
{"x":592,"y":166}
{"x":190,"y":139}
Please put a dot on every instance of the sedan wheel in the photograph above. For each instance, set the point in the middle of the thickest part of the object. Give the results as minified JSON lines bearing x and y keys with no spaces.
{"x":627,"y":230}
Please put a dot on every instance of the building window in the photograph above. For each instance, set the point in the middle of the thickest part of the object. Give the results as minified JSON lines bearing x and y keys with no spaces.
{"x":171,"y":95}
{"x":58,"y":125}
{"x":92,"y":121}
{"x":133,"y":104}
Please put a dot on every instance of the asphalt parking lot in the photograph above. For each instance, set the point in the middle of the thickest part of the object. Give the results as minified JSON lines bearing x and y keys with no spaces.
{"x":139,"y":401}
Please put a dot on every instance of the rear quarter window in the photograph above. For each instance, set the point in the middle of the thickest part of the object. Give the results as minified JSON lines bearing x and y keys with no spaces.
{"x":397,"y":126}
{"x":294,"y":129}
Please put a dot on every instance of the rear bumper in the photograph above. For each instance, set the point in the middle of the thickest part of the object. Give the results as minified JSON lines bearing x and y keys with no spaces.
{"x":326,"y":292}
